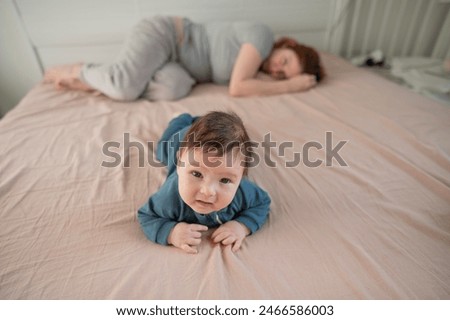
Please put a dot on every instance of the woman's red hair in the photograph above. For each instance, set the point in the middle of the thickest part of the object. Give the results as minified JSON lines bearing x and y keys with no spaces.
{"x":309,"y":58}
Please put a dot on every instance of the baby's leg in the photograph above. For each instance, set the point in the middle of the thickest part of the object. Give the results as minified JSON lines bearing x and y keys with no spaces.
{"x":166,"y":150}
{"x":171,"y":82}
{"x":151,"y":44}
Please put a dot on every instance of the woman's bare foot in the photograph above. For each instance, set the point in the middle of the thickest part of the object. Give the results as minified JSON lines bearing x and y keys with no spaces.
{"x":66,"y":77}
{"x":75,"y":84}
{"x":62,"y":73}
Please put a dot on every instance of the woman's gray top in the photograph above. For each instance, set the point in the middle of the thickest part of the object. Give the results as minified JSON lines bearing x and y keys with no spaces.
{"x":217,"y":45}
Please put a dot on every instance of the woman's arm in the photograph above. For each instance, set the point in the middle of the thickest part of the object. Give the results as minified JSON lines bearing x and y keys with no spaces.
{"x":244,"y":83}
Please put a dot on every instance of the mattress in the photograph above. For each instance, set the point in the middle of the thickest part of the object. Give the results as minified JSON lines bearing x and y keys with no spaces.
{"x":358,"y":170}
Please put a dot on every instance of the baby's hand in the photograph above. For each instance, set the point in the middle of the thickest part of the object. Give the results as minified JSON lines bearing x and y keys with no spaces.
{"x":186,"y":236}
{"x":231,"y":232}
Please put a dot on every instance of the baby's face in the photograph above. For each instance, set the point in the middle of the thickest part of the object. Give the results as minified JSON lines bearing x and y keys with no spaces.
{"x":206,"y":182}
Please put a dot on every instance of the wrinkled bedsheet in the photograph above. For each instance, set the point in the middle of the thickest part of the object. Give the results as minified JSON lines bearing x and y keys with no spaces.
{"x":358,"y":170}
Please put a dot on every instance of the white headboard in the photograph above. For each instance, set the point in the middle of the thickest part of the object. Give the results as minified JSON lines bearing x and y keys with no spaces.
{"x":64,"y":31}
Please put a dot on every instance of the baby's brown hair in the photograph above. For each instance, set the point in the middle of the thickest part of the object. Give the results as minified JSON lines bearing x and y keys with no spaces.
{"x":220,"y":133}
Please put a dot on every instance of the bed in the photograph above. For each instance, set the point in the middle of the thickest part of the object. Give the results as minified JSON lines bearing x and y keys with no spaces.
{"x":370,"y":222}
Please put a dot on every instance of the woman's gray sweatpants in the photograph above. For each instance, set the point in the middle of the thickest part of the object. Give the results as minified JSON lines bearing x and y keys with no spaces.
{"x":146,"y":67}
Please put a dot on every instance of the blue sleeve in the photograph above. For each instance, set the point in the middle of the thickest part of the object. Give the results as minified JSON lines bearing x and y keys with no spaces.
{"x":161,"y":212}
{"x":256,"y":204}
{"x":168,"y":145}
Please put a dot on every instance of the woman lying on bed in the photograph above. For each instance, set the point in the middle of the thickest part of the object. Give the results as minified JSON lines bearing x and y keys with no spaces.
{"x":165,"y":56}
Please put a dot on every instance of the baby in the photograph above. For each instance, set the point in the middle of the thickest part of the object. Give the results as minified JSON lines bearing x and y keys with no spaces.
{"x":206,"y":186}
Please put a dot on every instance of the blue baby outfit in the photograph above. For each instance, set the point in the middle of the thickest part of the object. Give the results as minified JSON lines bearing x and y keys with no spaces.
{"x":165,"y":208}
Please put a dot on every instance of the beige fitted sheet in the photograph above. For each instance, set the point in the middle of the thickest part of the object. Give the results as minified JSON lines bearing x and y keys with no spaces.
{"x":378,"y":228}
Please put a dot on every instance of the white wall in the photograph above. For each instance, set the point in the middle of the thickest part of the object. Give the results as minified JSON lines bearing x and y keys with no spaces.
{"x":19,"y":69}
{"x":64,"y":31}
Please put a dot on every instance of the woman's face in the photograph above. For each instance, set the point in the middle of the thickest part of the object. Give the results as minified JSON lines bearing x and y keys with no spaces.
{"x":283,"y":63}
